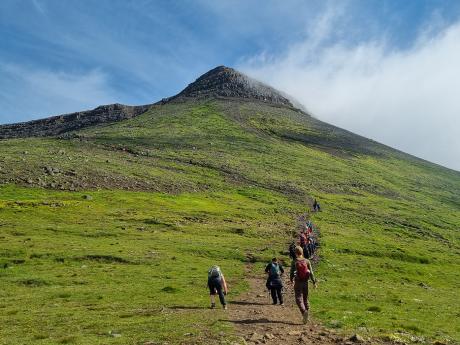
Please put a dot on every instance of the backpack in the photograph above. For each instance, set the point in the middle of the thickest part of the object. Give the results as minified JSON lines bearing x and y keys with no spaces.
{"x":303,"y":239}
{"x":214,"y":272}
{"x":303,"y":273}
{"x":274,"y":271}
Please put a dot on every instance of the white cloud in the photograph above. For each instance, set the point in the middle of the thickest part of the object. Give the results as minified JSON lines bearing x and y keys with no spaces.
{"x":407,"y":99}
{"x":49,"y":92}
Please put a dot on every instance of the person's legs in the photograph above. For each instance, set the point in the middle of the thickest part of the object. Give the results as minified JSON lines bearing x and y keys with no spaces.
{"x":280,"y":294}
{"x":221,"y":294}
{"x":212,"y":293}
{"x":298,"y":296}
{"x":213,"y":301}
{"x":273,"y":293}
{"x":305,"y":295}
{"x":305,"y":301}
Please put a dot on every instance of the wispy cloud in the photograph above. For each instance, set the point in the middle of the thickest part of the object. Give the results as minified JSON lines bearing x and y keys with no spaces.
{"x":39,"y":6}
{"x":49,"y":92}
{"x":407,"y":98}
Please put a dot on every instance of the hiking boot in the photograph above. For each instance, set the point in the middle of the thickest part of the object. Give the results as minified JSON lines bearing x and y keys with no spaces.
{"x":281,"y":303}
{"x":305,"y":317}
{"x":213,"y":305}
{"x":225,"y":307}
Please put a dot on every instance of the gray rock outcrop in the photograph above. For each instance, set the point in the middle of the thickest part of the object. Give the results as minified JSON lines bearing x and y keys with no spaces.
{"x":61,"y":124}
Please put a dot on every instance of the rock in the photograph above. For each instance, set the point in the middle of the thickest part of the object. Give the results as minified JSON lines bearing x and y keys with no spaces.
{"x":64,"y":123}
{"x":227,"y":82}
{"x":356,"y":338}
{"x":114,"y":334}
{"x":87,"y":197}
{"x":269,"y":336}
{"x":296,"y":333}
{"x":29,"y":181}
{"x":255,"y":337}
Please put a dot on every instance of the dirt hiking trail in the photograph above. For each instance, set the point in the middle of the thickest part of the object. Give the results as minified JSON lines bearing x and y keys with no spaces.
{"x":257,"y":321}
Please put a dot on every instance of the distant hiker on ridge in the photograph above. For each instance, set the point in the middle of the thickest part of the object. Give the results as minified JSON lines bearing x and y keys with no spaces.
{"x":274,"y":282}
{"x":316,"y":206}
{"x":301,"y":271}
{"x":217,"y":285}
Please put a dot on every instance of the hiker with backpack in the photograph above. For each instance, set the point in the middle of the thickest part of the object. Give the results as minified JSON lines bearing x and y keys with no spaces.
{"x":302,"y":238}
{"x":292,"y":247}
{"x":217,"y":285}
{"x":274,"y":284}
{"x":301,"y":271}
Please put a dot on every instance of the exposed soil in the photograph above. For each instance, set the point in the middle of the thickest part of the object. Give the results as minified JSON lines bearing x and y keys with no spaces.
{"x":257,"y":321}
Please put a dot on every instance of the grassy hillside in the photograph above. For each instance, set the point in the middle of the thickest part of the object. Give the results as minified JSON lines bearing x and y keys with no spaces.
{"x":119,"y":223}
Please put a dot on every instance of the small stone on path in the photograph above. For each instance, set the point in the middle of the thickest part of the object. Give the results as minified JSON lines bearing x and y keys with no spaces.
{"x":357,"y":338}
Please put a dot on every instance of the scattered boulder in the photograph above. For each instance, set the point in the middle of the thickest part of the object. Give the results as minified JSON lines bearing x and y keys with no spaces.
{"x":269,"y":336}
{"x":255,"y":337}
{"x":114,"y":334}
{"x":356,"y":338}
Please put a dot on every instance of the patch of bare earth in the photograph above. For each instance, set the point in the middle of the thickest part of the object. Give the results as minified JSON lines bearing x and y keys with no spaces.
{"x":257,"y":321}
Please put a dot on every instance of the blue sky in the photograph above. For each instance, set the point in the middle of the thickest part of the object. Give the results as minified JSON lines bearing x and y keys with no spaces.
{"x":62,"y":56}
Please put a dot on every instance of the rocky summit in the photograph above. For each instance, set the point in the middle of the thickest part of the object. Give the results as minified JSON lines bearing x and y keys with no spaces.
{"x":227,"y":82}
{"x":220,"y":82}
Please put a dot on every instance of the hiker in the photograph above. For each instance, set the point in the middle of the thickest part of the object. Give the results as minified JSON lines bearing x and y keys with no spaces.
{"x":311,"y":246}
{"x":316,"y":206}
{"x":306,"y":251}
{"x":217,"y":285}
{"x":302,"y":238}
{"x":301,"y":271}
{"x":274,"y":271}
{"x":292,"y":247}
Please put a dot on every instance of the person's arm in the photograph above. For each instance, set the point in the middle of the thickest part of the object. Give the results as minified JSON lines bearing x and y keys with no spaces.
{"x":312,"y":275}
{"x":281,"y":269}
{"x":267,"y":269}
{"x":224,"y":284}
{"x":292,"y":273}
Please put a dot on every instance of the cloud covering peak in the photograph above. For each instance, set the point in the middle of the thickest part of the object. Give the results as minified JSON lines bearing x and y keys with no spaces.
{"x":405,"y":98}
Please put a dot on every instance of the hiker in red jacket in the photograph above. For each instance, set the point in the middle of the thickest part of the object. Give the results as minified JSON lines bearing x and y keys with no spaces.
{"x":301,"y":271}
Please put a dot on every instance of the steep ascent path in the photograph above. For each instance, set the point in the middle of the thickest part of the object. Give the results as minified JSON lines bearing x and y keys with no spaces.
{"x":257,"y":321}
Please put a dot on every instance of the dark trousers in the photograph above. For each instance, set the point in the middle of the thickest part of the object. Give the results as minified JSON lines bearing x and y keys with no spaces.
{"x":276,"y":294}
{"x":215,"y":286}
{"x":301,"y":295}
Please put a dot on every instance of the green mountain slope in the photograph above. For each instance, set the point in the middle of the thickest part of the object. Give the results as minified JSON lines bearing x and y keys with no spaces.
{"x":111,"y":228}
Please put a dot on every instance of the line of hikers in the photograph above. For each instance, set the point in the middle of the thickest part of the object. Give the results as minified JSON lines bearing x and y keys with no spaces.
{"x":300,"y":272}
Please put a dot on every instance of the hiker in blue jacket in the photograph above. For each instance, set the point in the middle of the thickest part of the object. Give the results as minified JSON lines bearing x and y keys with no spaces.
{"x":217,"y":286}
{"x":274,"y":271}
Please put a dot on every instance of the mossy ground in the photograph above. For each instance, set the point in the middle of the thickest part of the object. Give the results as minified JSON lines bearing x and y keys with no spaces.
{"x":188,"y":185}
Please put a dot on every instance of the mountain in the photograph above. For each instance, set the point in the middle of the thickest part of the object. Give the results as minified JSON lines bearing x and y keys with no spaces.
{"x":110,"y":221}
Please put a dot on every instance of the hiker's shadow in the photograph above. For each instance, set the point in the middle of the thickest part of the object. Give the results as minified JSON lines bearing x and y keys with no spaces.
{"x":246,"y":303}
{"x":261,"y":321}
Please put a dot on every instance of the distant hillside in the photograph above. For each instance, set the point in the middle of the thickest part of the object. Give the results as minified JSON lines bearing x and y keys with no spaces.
{"x":59,"y":124}
{"x":109,"y":228}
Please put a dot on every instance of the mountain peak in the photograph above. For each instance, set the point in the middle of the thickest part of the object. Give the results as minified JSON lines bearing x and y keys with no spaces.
{"x":227,"y":82}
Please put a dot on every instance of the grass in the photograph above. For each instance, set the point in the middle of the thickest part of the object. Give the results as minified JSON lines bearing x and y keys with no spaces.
{"x":107,"y":237}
